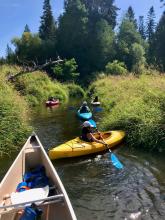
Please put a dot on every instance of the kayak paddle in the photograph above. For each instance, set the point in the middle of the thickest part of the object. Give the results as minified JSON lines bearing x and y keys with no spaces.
{"x":115,"y":160}
{"x":93,"y":123}
{"x":113,"y":157}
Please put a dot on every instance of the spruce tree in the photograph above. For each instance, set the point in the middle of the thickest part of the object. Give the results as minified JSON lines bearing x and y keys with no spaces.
{"x":150,"y":24}
{"x":102,"y":9}
{"x":142,"y":27}
{"x":127,"y":36}
{"x":27,"y":29}
{"x":47,"y":29}
{"x":159,"y":43}
{"x":150,"y":34}
{"x":130,"y":15}
{"x":9,"y":54}
{"x":72,"y":32}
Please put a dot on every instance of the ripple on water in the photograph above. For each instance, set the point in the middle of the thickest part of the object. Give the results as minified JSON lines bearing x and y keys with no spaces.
{"x":98,"y":191}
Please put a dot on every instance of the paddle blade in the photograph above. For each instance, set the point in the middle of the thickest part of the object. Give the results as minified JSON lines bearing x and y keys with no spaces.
{"x":93,"y":123}
{"x":116,"y":162}
{"x":98,"y":109}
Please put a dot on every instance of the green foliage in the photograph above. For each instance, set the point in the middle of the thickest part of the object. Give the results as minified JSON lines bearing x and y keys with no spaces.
{"x":66,"y":71}
{"x":28,"y":47}
{"x":37,"y":87}
{"x":13,"y":116}
{"x":116,"y":68}
{"x":135,"y":105}
{"x":72,"y":32}
{"x":127,"y":36}
{"x":159,"y":44}
{"x":47,"y":29}
{"x":102,"y":9}
{"x":27,"y":29}
{"x":130,"y":15}
{"x":142,"y":30}
{"x":10,"y":56}
{"x":138,"y":56}
{"x":102,"y":38}
{"x":86,"y":34}
{"x":150,"y":30}
{"x":150,"y":24}
{"x":75,"y":90}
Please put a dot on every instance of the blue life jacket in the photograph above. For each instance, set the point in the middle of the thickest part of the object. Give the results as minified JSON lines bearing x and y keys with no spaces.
{"x":33,"y":179}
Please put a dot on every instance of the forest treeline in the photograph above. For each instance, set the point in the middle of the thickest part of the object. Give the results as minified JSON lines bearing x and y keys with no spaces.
{"x":89,"y":40}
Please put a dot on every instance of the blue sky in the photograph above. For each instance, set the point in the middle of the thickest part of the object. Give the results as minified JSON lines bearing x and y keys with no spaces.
{"x":15,"y":14}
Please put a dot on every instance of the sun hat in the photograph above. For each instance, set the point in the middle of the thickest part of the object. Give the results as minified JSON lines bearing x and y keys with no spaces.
{"x":84,"y":103}
{"x":87,"y":124}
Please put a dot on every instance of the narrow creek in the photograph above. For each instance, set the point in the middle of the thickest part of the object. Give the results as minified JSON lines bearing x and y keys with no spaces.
{"x":96,"y":189}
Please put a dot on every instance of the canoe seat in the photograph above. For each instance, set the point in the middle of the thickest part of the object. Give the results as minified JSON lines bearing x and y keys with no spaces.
{"x":28,"y":195}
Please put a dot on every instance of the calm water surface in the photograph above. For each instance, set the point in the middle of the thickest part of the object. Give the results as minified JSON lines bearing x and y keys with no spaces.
{"x":96,"y":189}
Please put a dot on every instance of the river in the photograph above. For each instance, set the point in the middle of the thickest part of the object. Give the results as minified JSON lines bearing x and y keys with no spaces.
{"x":97,"y":190}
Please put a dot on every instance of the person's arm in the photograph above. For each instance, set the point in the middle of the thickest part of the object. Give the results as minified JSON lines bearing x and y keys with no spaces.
{"x":93,"y":139}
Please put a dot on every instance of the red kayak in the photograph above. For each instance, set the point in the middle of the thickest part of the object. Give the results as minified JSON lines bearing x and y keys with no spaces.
{"x":52,"y":103}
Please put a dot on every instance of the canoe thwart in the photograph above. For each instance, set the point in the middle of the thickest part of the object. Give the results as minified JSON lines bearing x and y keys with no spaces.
{"x":56,"y":197}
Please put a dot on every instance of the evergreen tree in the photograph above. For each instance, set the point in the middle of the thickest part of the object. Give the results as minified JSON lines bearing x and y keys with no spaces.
{"x":130,"y":15}
{"x":142,"y":27}
{"x":10,"y":57}
{"x":101,"y":42}
{"x":47,"y":29}
{"x":150,"y":34}
{"x":159,"y":43}
{"x":102,"y":9}
{"x":150,"y":24}
{"x":72,"y":32}
{"x":27,"y":29}
{"x":127,"y":36}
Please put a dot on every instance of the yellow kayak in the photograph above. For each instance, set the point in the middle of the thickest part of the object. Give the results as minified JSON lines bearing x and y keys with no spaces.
{"x":78,"y":147}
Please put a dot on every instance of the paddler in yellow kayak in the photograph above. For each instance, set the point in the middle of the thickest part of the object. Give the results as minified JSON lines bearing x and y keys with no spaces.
{"x":87,"y":133}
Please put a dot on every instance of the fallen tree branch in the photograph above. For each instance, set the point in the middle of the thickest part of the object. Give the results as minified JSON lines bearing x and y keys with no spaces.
{"x":35,"y":67}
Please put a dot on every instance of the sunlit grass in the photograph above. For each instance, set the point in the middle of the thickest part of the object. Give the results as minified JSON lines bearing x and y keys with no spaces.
{"x":136,"y":105}
{"x":14,"y":128}
{"x":37,"y":87}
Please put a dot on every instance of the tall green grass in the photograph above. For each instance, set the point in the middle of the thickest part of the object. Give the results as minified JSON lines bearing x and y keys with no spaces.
{"x":75,"y":90}
{"x":14,"y":128}
{"x":136,"y":105}
{"x":37,"y":87}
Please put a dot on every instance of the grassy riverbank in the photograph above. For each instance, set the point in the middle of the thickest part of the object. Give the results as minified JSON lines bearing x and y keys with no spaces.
{"x":37,"y":87}
{"x":14,"y":127}
{"x":16,"y":98}
{"x":136,"y":105}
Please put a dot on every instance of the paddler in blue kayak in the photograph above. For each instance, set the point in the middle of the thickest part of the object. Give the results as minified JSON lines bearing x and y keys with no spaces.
{"x":87,"y":133}
{"x":84,"y":108}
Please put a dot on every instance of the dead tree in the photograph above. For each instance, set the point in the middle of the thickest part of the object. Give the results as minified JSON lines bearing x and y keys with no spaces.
{"x":32,"y":66}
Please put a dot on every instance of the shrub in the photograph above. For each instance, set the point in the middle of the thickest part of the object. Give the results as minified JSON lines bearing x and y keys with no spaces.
{"x":75,"y":90}
{"x":66,"y":71}
{"x":116,"y":68}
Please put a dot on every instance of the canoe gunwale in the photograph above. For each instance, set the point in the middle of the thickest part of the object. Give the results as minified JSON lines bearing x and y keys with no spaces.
{"x":33,"y":145}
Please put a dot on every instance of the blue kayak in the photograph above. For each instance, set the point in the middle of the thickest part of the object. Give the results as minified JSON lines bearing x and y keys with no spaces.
{"x":84,"y":116}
